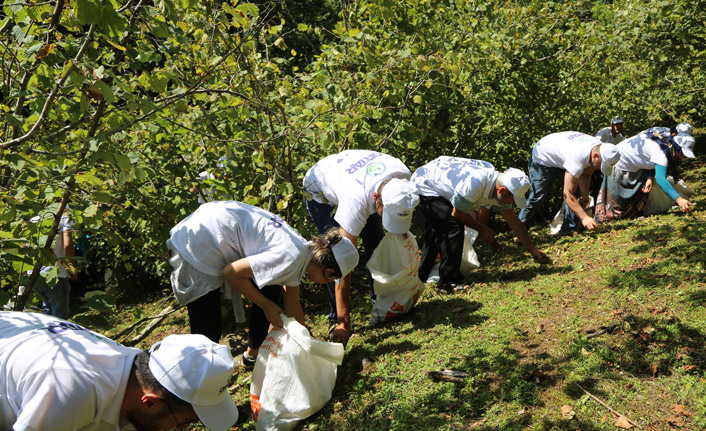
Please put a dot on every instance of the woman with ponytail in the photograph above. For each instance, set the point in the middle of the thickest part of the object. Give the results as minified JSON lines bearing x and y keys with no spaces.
{"x":260,"y":255}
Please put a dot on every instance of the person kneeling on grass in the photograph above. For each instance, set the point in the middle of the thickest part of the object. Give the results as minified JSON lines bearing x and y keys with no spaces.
{"x":451,"y":189}
{"x":260,"y":255}
{"x":59,"y":376}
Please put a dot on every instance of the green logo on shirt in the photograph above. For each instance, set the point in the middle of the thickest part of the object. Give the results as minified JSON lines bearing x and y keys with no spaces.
{"x":376,"y":168}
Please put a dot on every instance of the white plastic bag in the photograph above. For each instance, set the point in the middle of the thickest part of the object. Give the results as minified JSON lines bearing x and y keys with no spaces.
{"x":555,"y":225}
{"x":659,"y":203}
{"x":396,"y":282}
{"x":469,"y":260}
{"x":293,"y":377}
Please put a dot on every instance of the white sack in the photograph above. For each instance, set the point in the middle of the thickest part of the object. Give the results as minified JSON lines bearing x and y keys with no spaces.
{"x":293,"y":377}
{"x":393,"y":266}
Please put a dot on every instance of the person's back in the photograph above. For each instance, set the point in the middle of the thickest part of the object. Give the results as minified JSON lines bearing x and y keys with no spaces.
{"x":56,"y":375}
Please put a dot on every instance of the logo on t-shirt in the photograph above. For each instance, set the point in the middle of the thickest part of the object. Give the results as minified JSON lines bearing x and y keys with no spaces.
{"x":377,"y":168}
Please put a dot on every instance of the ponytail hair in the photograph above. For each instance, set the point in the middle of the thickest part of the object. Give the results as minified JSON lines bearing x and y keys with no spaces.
{"x":322,"y":250}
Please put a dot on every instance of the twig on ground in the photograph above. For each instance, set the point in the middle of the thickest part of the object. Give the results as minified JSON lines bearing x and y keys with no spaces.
{"x":156,"y":322}
{"x":608,"y":407}
{"x":130,"y":328}
{"x":595,"y":333}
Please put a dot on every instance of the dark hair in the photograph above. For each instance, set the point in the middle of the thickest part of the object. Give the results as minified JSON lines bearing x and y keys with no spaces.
{"x":322,"y":250}
{"x":145,"y":379}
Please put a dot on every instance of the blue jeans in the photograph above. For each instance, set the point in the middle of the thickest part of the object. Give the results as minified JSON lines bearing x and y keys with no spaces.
{"x":541,"y":178}
{"x":371,"y":235}
{"x":56,"y":299}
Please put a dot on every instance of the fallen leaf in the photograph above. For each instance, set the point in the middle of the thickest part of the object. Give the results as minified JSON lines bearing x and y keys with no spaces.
{"x":623,"y":422}
{"x":680,"y":409}
{"x":567,"y":412}
{"x":654,"y":369}
{"x":539,"y":328}
{"x":669,"y":285}
{"x":689,"y":367}
{"x":675,"y":421}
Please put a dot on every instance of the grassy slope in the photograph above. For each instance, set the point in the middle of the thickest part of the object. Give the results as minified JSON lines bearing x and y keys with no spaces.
{"x":521,"y":336}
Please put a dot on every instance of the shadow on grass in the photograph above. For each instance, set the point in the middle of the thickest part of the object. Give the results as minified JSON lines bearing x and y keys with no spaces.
{"x":677,"y":250}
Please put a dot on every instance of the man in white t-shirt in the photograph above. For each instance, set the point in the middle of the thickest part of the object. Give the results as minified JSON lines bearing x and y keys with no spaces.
{"x":612,"y":134}
{"x":570,"y":157}
{"x":451,"y":190}
{"x":56,"y":375}
{"x":55,"y":298}
{"x":370,"y":190}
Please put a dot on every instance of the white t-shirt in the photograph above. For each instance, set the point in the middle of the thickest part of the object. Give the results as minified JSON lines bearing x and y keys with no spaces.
{"x":605,"y":136}
{"x":221,"y":232}
{"x":566,"y":150}
{"x":65,"y":225}
{"x":468,"y":184}
{"x":639,"y":152}
{"x":348,"y":180}
{"x":56,"y":375}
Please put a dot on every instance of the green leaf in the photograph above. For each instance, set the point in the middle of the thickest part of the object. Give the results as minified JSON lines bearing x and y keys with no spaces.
{"x":100,"y":300}
{"x":106,"y":90}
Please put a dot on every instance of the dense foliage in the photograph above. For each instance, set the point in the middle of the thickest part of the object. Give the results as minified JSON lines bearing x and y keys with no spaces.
{"x":115,"y":107}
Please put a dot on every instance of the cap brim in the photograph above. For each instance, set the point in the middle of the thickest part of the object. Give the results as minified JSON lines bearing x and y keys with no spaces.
{"x":607,"y":168}
{"x":218,"y":417}
{"x":396,"y":225}
{"x":688,"y":153}
{"x":521,"y":202}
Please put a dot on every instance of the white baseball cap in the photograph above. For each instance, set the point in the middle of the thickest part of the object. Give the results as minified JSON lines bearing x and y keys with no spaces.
{"x":346,"y":255}
{"x":617,"y":120}
{"x":685,"y":128}
{"x":517,"y":182}
{"x":610,"y":156}
{"x":197,"y":370}
{"x":686,"y":143}
{"x":399,"y":198}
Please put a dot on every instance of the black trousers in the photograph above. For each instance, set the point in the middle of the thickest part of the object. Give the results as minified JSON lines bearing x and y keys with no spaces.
{"x":443,"y":235}
{"x":205,"y":316}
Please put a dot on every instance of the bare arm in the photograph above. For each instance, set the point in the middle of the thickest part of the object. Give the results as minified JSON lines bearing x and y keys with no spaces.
{"x":570,"y":186}
{"x":238,"y":273}
{"x":522,"y":234}
{"x":70,"y":252}
{"x":342,"y":332}
{"x":292,"y":305}
{"x":484,"y":232}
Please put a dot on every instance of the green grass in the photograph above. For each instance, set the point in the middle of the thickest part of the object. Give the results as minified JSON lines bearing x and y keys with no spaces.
{"x":520,"y":334}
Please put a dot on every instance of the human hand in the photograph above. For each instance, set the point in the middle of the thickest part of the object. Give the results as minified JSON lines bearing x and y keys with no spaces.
{"x":648,"y":186}
{"x":589,"y":223}
{"x":272,"y":313}
{"x":487,"y":235}
{"x":684,"y":204}
{"x":341,"y":334}
{"x":540,"y":257}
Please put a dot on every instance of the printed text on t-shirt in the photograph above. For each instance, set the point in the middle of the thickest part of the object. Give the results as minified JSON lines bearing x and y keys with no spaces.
{"x":275,"y":221}
{"x":362,"y":162}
